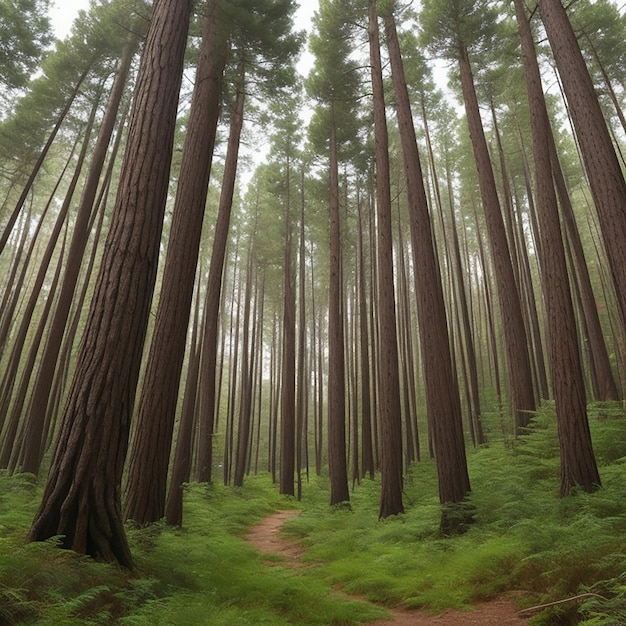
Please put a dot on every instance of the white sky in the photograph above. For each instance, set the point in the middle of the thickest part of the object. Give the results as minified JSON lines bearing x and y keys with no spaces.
{"x":63,"y":14}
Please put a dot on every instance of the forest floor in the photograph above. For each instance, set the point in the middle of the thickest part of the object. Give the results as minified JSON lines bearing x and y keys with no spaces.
{"x":267,"y":539}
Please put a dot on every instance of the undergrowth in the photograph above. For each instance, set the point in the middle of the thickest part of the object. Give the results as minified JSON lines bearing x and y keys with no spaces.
{"x":524,"y":541}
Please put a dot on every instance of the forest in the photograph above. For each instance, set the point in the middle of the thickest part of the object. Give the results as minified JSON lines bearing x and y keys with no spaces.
{"x":368,"y":267}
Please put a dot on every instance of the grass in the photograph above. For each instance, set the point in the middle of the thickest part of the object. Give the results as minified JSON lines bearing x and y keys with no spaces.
{"x":525,"y":540}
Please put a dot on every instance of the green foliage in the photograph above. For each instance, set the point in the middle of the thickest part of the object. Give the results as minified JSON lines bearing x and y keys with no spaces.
{"x":523,"y":539}
{"x":24,"y":36}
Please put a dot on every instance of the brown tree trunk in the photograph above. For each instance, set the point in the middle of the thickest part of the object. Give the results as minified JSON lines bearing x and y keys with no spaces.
{"x":367,"y":462}
{"x":337,"y":463}
{"x":82,"y":499}
{"x":389,"y":387}
{"x":442,"y":394}
{"x":149,"y":459}
{"x":605,"y":175}
{"x":516,"y":342}
{"x":181,"y":467}
{"x":578,"y":464}
{"x":80,"y":236}
{"x":212,"y":298}
{"x":288,"y":365}
{"x":606,"y":387}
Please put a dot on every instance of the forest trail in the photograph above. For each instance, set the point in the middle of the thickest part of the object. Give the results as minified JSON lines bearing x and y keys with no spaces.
{"x":266,"y":538}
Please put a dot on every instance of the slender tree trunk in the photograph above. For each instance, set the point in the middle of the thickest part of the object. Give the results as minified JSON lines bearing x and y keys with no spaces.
{"x":578,"y":465}
{"x":208,"y":405}
{"x":82,"y":499}
{"x":367,"y":462}
{"x":389,"y":388}
{"x":337,"y":462}
{"x":606,"y":387}
{"x":181,"y":467}
{"x":31,"y":179}
{"x":442,"y":394}
{"x":288,"y":365}
{"x":516,"y":342}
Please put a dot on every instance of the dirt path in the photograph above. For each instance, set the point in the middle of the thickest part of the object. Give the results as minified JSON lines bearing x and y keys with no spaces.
{"x":265,"y":537}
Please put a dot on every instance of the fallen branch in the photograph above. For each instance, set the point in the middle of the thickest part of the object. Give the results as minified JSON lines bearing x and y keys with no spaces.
{"x":535,"y":609}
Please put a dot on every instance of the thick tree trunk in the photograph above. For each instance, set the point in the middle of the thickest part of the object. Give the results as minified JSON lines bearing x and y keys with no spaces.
{"x":80,"y":236}
{"x":389,"y":388}
{"x":82,"y":499}
{"x":605,"y":175}
{"x":578,"y":464}
{"x":149,"y":460}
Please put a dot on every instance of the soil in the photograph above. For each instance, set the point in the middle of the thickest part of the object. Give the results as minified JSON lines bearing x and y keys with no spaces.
{"x":267,"y":539}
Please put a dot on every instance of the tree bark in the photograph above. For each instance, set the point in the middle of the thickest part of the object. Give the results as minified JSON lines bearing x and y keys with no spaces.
{"x":149,"y":460}
{"x":605,"y":175}
{"x":389,"y":388}
{"x":337,"y":462}
{"x":516,"y":342}
{"x":578,"y":464}
{"x":80,"y":236}
{"x":82,"y":499}
{"x":442,"y":394}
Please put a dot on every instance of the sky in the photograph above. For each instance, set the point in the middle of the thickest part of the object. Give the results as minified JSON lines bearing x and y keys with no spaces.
{"x":63,"y":14}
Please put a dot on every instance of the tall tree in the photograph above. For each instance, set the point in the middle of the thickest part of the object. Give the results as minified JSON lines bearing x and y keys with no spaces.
{"x":578,"y":464}
{"x":80,"y":235}
{"x":389,"y":388}
{"x":149,"y":461}
{"x":332,"y":84}
{"x":263,"y":44}
{"x":449,"y":28}
{"x":82,"y":500}
{"x":606,"y":177}
{"x":442,"y":393}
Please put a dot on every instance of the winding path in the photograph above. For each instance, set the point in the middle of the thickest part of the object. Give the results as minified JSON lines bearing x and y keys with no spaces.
{"x":266,"y":538}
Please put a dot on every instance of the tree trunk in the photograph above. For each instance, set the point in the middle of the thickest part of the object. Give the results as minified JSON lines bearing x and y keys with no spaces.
{"x":605,"y":175}
{"x":578,"y":464}
{"x":442,"y":394}
{"x":516,"y":342}
{"x":389,"y":388}
{"x":82,"y":499}
{"x":212,"y":298}
{"x":80,"y":236}
{"x":149,"y":459}
{"x":337,"y":462}
{"x":288,"y":365}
